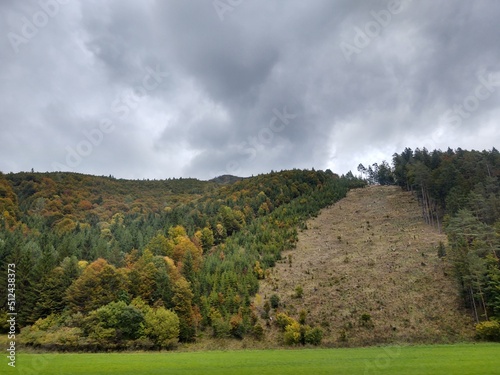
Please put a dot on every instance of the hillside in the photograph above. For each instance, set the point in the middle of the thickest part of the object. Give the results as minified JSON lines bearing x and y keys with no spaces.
{"x":98,"y":260}
{"x":370,"y":274}
{"x":89,"y":198}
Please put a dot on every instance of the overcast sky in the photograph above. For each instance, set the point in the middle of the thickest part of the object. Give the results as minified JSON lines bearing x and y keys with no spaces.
{"x":157,"y":89}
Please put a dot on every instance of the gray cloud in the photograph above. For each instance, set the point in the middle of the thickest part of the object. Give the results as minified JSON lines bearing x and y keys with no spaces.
{"x":166,"y":89}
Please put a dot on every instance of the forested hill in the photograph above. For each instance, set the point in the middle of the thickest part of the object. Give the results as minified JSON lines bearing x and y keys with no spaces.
{"x":106,"y":263}
{"x":86,"y":198}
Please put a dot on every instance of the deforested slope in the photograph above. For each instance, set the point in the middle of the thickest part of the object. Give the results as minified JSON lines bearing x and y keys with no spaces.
{"x":370,"y":274}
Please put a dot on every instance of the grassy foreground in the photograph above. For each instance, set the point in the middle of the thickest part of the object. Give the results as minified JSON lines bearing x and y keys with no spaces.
{"x":432,"y":359}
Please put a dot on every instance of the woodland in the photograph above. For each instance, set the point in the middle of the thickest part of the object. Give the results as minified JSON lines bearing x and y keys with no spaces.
{"x":103,"y":263}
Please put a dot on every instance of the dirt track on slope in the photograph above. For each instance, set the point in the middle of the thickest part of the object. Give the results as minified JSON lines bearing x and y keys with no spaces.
{"x":371,"y":255}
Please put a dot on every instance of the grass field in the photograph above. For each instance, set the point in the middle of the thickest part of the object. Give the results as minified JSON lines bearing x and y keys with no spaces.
{"x":463,"y":359}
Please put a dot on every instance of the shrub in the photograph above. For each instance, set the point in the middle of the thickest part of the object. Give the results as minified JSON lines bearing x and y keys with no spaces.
{"x":265,"y":313}
{"x":258,"y":332}
{"x":115,"y":321}
{"x":65,"y":337}
{"x":313,"y":336}
{"x":302,"y":316}
{"x":221,"y":328}
{"x":275,"y":301}
{"x":162,"y":327}
{"x":299,"y":292}
{"x":366,"y":320}
{"x":292,"y":334}
{"x":489,"y":330}
{"x":237,"y":327}
{"x":441,"y":250}
{"x":283,"y":320}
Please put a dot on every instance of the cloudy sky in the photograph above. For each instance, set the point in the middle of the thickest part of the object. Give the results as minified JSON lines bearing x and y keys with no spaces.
{"x":157,"y":89}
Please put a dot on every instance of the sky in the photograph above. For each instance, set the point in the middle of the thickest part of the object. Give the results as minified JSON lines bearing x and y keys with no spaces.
{"x":144,"y":89}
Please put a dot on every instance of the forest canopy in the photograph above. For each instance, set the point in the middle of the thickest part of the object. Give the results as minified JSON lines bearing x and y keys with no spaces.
{"x":104,"y":263}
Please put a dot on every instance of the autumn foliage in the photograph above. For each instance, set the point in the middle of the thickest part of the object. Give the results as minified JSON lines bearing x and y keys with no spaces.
{"x":106,"y":263}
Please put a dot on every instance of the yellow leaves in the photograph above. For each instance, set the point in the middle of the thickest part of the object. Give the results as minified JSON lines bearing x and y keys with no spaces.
{"x":257,"y":269}
{"x":177,"y":232}
{"x":204,"y":238}
{"x":220,"y":232}
{"x":263,"y":209}
{"x":283,"y":320}
{"x":6,"y":191}
{"x":106,"y":234}
{"x":118,"y":218}
{"x":64,"y":226}
{"x":179,"y":245}
{"x":99,"y":284}
{"x":183,"y":246}
{"x":9,"y":221}
{"x":292,"y":333}
{"x":170,"y":262}
{"x":258,"y":300}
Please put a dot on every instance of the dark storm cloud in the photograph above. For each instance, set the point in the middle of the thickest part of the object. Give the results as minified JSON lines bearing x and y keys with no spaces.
{"x":155,"y":89}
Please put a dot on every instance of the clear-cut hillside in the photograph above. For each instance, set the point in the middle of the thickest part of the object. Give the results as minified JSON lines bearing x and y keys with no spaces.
{"x":370,"y":273}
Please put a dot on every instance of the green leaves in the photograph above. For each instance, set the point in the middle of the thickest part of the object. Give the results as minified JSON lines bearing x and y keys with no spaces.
{"x":162,"y":326}
{"x":114,"y":322}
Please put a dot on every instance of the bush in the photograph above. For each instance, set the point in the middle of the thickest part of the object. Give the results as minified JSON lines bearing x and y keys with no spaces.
{"x":267,"y":309}
{"x":302,"y":316}
{"x":366,"y":320}
{"x":283,"y":320}
{"x":162,"y":327}
{"x":221,"y":328}
{"x":275,"y":301}
{"x":292,"y":334}
{"x":441,"y":250}
{"x":299,"y":292}
{"x":258,"y":332}
{"x":115,"y":321}
{"x":489,"y":330}
{"x":313,"y":336}
{"x":237,"y":327}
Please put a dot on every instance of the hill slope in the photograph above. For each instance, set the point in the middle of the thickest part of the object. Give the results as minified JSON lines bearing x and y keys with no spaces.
{"x":372,"y":256}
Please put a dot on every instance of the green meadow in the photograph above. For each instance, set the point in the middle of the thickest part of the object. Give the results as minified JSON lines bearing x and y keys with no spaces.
{"x":462,"y":359}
